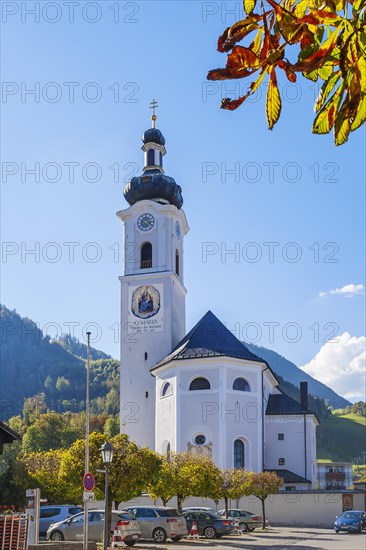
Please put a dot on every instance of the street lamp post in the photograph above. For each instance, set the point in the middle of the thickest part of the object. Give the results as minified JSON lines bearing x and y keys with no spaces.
{"x":87,"y":430}
{"x":107,"y":455}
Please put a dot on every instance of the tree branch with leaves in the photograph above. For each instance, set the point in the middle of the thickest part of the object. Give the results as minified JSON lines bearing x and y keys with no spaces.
{"x":330,"y":38}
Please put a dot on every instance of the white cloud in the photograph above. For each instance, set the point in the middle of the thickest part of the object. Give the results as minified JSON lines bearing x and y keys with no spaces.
{"x":347,"y":290}
{"x":340,"y":364}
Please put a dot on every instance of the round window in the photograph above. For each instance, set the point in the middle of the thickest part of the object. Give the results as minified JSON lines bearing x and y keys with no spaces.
{"x":200,"y":439}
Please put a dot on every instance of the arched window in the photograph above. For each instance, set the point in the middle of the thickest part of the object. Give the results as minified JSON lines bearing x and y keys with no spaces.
{"x":200,"y":384}
{"x":241,"y":384}
{"x":151,"y":157}
{"x":161,"y":158}
{"x":177,"y":262}
{"x":167,"y":389}
{"x":239,"y":454}
{"x":146,"y":255}
{"x":165,"y":448}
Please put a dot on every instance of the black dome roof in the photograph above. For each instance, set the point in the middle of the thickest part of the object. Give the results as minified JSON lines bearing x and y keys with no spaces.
{"x":153,"y":185}
{"x":153,"y":135}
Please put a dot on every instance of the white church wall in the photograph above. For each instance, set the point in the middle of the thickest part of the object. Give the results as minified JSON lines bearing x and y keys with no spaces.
{"x":178,"y":311}
{"x":292,"y":447}
{"x":220,"y":414}
{"x":139,"y":338}
{"x":311,"y":449}
{"x":194,"y":417}
{"x":245,"y":424}
{"x":166,"y":413}
{"x":162,"y":236}
{"x":295,"y":508}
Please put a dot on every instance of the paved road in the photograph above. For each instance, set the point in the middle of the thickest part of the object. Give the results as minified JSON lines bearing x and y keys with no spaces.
{"x":275,"y":538}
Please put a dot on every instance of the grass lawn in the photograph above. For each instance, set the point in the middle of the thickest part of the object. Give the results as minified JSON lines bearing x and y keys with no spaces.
{"x":341,"y":438}
{"x":356,"y":418}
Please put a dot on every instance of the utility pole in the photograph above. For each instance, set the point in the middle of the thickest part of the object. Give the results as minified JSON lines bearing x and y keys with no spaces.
{"x":87,"y":429}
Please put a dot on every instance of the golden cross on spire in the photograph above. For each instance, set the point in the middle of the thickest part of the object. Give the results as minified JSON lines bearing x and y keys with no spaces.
{"x":153,"y":106}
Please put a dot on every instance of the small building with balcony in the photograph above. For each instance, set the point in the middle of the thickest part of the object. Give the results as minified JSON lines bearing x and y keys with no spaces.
{"x":333,"y":476}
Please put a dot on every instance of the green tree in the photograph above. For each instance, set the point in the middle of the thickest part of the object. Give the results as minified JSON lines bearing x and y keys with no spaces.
{"x":77,"y":423}
{"x":261,"y":485}
{"x":44,"y":471}
{"x":129,"y":474}
{"x":164,"y":486}
{"x":50,"y":431}
{"x":329,"y":40}
{"x":48,"y":383}
{"x":234,"y":485}
{"x":184,"y":475}
{"x":13,"y":478}
{"x":111,"y":427}
{"x":17,"y":424}
{"x":33,"y":407}
{"x":62,"y":384}
{"x":112,"y":402}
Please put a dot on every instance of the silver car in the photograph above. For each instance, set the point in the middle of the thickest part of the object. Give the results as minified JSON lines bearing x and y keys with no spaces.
{"x":55,"y":513}
{"x":72,"y":528}
{"x":159,"y":522}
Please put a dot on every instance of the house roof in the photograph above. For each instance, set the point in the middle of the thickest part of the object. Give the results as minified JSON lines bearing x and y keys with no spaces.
{"x":210,"y":338}
{"x":289,"y":477}
{"x":282,"y":404}
{"x":7,"y":435}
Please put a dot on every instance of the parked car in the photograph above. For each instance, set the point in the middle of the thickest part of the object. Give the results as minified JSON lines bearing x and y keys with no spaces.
{"x":51,"y":514}
{"x":72,"y":529}
{"x":351,"y":520}
{"x":247,"y":520}
{"x":209,"y":525}
{"x":159,"y":522}
{"x":200,"y":509}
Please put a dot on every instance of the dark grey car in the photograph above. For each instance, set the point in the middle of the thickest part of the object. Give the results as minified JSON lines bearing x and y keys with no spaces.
{"x":211,"y":526}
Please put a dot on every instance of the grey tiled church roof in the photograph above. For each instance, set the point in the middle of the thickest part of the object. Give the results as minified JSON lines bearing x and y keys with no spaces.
{"x":210,"y":338}
{"x":289,"y":477}
{"x":283,"y":404}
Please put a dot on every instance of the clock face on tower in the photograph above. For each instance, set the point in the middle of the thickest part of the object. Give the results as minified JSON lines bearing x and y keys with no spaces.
{"x":146,"y":222}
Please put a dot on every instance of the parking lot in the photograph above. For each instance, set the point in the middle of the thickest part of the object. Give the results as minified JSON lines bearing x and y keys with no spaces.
{"x":277,"y":538}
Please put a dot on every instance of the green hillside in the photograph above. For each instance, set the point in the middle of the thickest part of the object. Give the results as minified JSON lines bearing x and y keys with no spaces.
{"x":341,"y":438}
{"x":32,"y":364}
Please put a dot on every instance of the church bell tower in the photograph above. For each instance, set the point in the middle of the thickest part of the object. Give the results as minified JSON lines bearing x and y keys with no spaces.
{"x":152,"y":286}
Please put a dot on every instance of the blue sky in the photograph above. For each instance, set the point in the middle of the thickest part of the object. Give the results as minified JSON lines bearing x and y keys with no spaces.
{"x":243,"y":185}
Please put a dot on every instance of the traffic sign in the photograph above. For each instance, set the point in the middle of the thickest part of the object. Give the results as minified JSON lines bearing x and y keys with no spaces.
{"x":89,"y":496}
{"x":89,"y":482}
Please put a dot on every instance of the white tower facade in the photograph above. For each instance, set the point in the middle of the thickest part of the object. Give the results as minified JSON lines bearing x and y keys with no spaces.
{"x":152,"y":287}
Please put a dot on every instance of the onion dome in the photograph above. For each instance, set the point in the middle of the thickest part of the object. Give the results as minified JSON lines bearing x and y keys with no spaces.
{"x":153,"y":135}
{"x":153,"y":184}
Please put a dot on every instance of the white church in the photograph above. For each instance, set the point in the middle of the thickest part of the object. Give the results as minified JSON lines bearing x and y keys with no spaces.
{"x":204,"y":391}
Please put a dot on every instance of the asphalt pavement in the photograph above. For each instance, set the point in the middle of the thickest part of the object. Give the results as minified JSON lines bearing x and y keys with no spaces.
{"x":275,"y":538}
